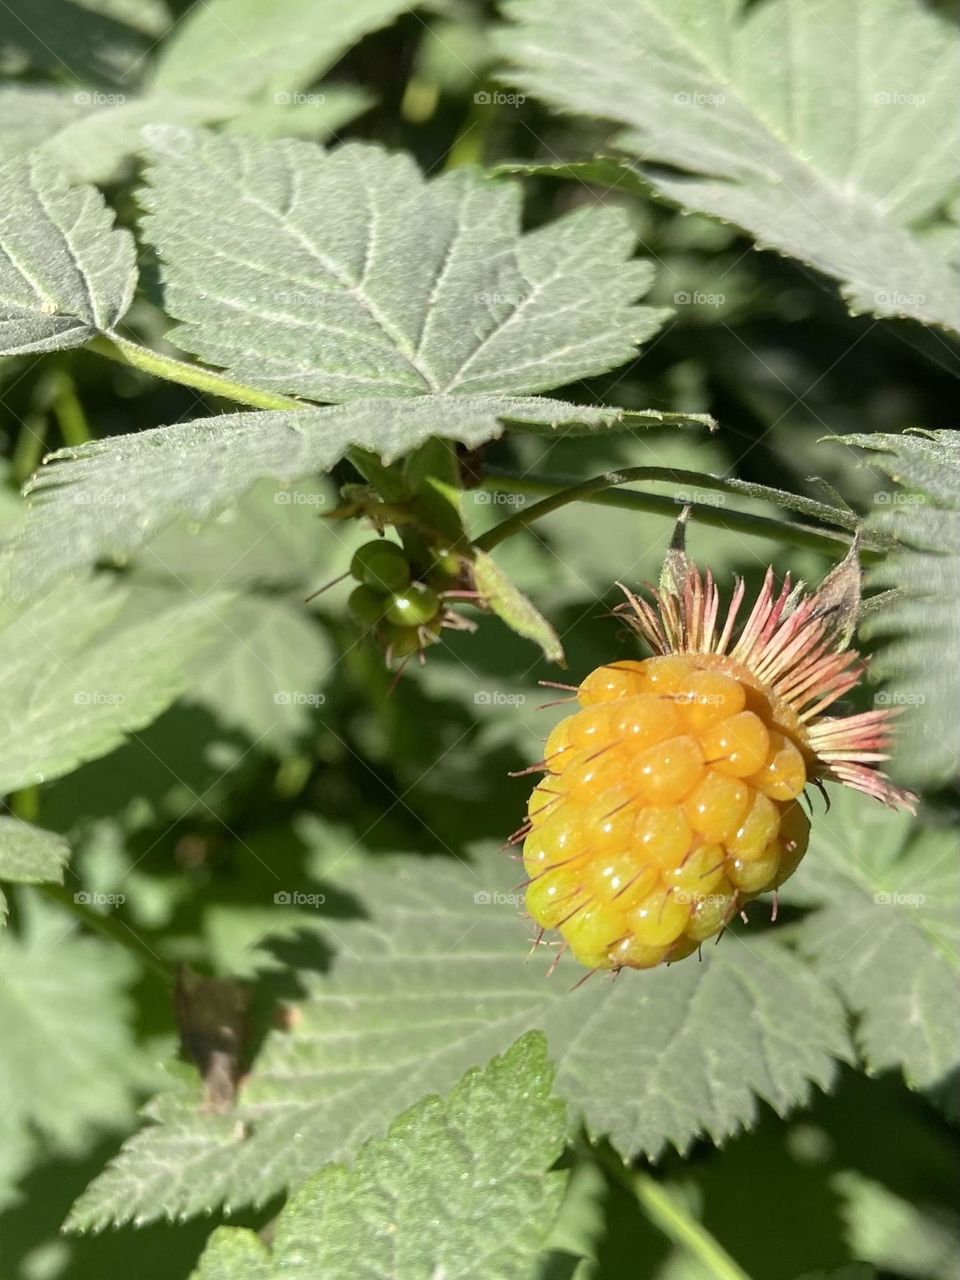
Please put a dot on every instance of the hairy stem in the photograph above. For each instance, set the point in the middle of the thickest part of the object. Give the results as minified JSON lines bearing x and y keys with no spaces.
{"x":189,"y":375}
{"x":603,"y":491}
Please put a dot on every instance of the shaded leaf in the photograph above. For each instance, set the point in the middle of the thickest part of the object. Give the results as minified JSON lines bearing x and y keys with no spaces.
{"x":510,"y":604}
{"x":887,"y":933}
{"x":86,"y":665}
{"x":919,"y":627}
{"x":433,"y":980}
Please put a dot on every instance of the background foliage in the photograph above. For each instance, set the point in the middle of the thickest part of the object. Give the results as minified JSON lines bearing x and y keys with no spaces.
{"x":535,"y":245}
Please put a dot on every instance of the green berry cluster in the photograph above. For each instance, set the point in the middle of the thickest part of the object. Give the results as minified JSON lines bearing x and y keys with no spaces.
{"x":399,"y":599}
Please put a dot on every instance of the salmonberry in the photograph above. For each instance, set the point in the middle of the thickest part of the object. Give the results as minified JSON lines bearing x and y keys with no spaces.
{"x":672,"y":797}
{"x":381,"y":565}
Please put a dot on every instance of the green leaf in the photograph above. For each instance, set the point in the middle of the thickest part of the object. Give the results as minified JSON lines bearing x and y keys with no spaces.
{"x":29,"y":856}
{"x":825,"y":130}
{"x":86,"y":665}
{"x":68,"y":1062}
{"x":919,"y":628}
{"x":109,"y":497}
{"x":345,"y":274}
{"x":510,"y":604}
{"x":433,"y":979}
{"x":887,"y":933}
{"x":275,"y":48}
{"x":264,"y":671}
{"x":899,"y":1237}
{"x":460,"y":1186}
{"x":66,"y":273}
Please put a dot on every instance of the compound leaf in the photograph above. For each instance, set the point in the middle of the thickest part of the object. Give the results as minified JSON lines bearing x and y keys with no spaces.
{"x":825,"y":130}
{"x":460,"y":1186}
{"x":431,"y":981}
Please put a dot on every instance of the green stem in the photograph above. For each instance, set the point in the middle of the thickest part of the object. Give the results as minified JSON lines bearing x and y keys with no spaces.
{"x":69,"y":413}
{"x":602,"y":490}
{"x":189,"y":375}
{"x":673,"y":1219}
{"x":110,"y":928}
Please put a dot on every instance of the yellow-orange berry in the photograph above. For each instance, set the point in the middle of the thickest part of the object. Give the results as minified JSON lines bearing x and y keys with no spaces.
{"x":616,"y":680}
{"x":738,"y":745}
{"x":784,"y":774}
{"x":669,"y":801}
{"x":717,"y":805}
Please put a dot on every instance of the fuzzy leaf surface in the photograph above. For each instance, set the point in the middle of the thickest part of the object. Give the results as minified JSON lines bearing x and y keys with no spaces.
{"x":459,"y":1186}
{"x":345,"y":274}
{"x":66,"y":273}
{"x":86,"y":665}
{"x":110,"y":497}
{"x":919,"y":629}
{"x":825,"y":130}
{"x":432,"y":981}
{"x":887,"y":934}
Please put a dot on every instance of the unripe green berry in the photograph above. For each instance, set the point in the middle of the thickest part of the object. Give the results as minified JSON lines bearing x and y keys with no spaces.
{"x":414,"y":606}
{"x":399,"y":641}
{"x":444,"y":568}
{"x":381,"y":565}
{"x":367,"y":605}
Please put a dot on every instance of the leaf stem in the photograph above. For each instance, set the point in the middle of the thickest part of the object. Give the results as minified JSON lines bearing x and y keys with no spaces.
{"x":115,"y":930}
{"x":189,"y":375}
{"x":603,"y":491}
{"x":671,"y":1216}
